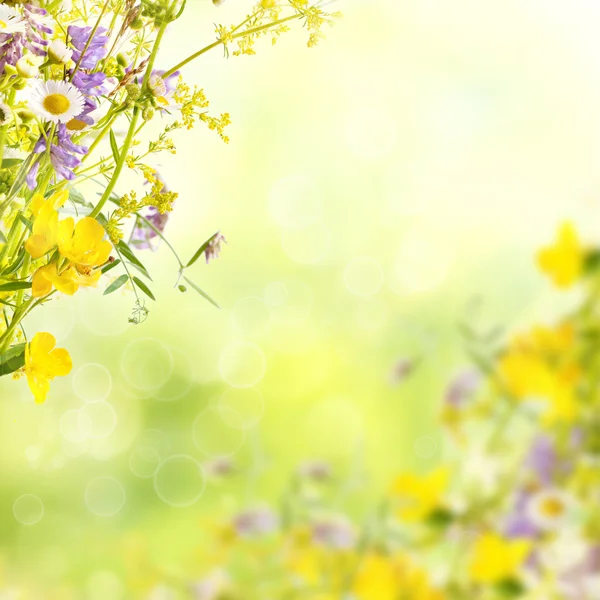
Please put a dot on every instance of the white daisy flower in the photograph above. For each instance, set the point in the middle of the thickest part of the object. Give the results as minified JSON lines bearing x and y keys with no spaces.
{"x":11,"y":21}
{"x":5,"y":114}
{"x":56,"y":101}
{"x":550,"y":508}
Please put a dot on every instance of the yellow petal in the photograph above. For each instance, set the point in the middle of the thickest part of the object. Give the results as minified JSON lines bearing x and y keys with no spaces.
{"x":40,"y":283}
{"x":62,"y":362}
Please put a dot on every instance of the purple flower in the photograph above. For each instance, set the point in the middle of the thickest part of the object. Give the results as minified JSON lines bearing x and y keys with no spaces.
{"x":462,"y":387}
{"x":61,"y":156}
{"x":143,"y":234}
{"x":542,"y":459}
{"x":334,"y":533}
{"x":96,"y":49}
{"x":519,"y":523}
{"x":13,"y":45}
{"x":214,"y":247}
{"x":256,"y":522}
{"x":89,"y":84}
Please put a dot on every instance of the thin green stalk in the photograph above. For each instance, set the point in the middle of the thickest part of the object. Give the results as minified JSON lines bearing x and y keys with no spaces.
{"x":132,"y":126}
{"x":233,"y":37}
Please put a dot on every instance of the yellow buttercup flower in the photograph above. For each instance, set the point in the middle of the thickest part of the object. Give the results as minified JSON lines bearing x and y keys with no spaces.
{"x":45,"y":224}
{"x":563,"y":262}
{"x":43,"y":233}
{"x":68,"y":281}
{"x":44,"y":362}
{"x":496,"y":559}
{"x":83,"y":243}
{"x":383,"y":577}
{"x":420,"y":496}
{"x":56,"y":200}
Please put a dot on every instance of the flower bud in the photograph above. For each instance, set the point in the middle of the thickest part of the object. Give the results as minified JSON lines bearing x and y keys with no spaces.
{"x":148,"y":113}
{"x":133,"y":91}
{"x":27,"y":67}
{"x":137,"y":24}
{"x":25,"y":115}
{"x":19,"y":84}
{"x":122,"y":59}
{"x":58,"y":53}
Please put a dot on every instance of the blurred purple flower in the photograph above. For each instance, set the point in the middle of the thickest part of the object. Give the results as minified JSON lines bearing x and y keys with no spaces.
{"x":13,"y":45}
{"x":143,"y":234}
{"x":519,"y":523}
{"x":462,"y":388}
{"x":334,"y":533}
{"x":256,"y":522}
{"x":401,"y":370}
{"x":315,"y":470}
{"x":61,"y":156}
{"x":214,"y":247}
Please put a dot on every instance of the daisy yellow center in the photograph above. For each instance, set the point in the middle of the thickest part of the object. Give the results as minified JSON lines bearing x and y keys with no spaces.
{"x":552,"y":507}
{"x":76,"y":125}
{"x":57,"y":104}
{"x":2,"y":24}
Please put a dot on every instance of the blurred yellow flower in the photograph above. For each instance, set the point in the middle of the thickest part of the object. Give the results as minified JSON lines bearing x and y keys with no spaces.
{"x":496,"y":559}
{"x":563,"y":262}
{"x":382,"y":577}
{"x":420,"y":496}
{"x":83,"y":243}
{"x":44,"y":362}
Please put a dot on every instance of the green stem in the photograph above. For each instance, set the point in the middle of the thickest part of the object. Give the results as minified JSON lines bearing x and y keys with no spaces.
{"x":163,"y":238}
{"x":233,"y":37}
{"x":132,"y":126}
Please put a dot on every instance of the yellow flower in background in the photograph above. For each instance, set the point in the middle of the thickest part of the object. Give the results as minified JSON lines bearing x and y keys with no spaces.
{"x":382,"y":577}
{"x":563,"y":262}
{"x":420,"y":496}
{"x":495,"y":559}
{"x":83,"y":243}
{"x":44,"y":362}
{"x":68,"y":281}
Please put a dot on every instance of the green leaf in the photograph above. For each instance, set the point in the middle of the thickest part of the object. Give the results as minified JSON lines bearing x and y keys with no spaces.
{"x":77,"y":197}
{"x":2,"y":238}
{"x":12,"y":286}
{"x":26,"y":222}
{"x":143,"y":287}
{"x":127,"y":252}
{"x":200,"y":251}
{"x":7,"y":163}
{"x":113,"y":146}
{"x":110,"y":266}
{"x":116,"y":284}
{"x":12,"y":360}
{"x":15,"y":265}
{"x":201,"y":292}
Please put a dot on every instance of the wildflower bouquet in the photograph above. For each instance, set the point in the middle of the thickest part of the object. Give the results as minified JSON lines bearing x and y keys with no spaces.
{"x":71,"y":74}
{"x":512,"y":511}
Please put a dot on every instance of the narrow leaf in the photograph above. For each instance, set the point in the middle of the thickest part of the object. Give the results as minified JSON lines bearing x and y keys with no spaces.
{"x":143,"y":287}
{"x":116,"y":284}
{"x":15,"y":266}
{"x":110,"y":266}
{"x":127,"y":252}
{"x":113,"y":146}
{"x":201,"y":292}
{"x":12,"y":360}
{"x":7,"y":163}
{"x":2,"y":238}
{"x":26,"y":222}
{"x":12,"y":286}
{"x":200,"y":251}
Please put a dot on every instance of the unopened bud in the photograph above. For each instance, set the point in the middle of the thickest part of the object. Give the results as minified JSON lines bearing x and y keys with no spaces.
{"x":27,"y":67}
{"x":133,"y":91}
{"x":58,"y":53}
{"x":148,"y":113}
{"x":157,"y":86}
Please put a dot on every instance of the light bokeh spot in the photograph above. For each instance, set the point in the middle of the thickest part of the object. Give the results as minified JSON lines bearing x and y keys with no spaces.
{"x":28,"y":509}
{"x":179,"y":481}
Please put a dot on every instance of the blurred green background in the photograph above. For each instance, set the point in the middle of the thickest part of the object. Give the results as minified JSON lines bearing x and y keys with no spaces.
{"x":378,"y":190}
